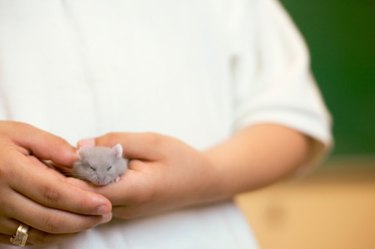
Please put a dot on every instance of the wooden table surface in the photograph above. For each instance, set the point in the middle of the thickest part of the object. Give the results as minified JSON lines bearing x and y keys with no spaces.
{"x":332,"y":208}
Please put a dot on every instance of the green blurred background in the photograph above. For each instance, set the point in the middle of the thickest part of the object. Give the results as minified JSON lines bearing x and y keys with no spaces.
{"x":341,"y":38}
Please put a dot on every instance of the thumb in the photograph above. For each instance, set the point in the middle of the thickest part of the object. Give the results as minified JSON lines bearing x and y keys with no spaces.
{"x":142,"y":146}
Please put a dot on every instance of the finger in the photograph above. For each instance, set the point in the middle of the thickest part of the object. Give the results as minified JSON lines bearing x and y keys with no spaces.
{"x":133,"y":188}
{"x":35,"y":237}
{"x":49,"y":188}
{"x":115,"y":192}
{"x":44,"y":145}
{"x":144,"y":146}
{"x":50,"y":220}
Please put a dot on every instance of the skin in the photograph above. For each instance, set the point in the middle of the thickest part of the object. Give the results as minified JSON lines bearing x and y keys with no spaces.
{"x":33,"y":194}
{"x":165,"y":173}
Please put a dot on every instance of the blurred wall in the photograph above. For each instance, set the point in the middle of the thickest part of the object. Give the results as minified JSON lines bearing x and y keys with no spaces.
{"x":341,"y":38}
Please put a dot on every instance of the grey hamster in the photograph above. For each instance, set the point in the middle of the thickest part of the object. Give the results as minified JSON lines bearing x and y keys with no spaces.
{"x":100,"y":165}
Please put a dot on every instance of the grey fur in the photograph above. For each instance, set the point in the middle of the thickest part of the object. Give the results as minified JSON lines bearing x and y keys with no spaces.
{"x":100,"y":165}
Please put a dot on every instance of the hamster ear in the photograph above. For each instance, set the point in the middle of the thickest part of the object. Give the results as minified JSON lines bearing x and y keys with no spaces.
{"x":117,"y":149}
{"x":82,"y":152}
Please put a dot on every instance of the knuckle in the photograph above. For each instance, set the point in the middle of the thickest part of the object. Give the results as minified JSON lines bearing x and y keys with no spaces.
{"x":51,"y":194}
{"x":52,"y":223}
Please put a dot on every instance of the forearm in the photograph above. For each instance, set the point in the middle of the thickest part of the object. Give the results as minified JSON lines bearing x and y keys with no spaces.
{"x":257,"y":156}
{"x":165,"y":173}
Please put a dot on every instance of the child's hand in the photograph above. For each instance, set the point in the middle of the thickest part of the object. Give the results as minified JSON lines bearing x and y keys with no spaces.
{"x":163,"y":174}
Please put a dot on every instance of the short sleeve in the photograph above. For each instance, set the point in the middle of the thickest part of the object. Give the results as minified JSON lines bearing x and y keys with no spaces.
{"x":273,"y":82}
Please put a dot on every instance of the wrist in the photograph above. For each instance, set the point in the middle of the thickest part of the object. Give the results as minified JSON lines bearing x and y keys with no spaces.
{"x":217,"y":188}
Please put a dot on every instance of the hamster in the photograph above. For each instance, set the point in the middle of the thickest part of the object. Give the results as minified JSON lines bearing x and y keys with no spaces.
{"x":100,"y":165}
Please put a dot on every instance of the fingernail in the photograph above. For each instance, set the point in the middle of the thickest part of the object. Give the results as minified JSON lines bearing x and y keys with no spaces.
{"x":106,"y":218}
{"x":103,"y":209}
{"x":87,"y":142}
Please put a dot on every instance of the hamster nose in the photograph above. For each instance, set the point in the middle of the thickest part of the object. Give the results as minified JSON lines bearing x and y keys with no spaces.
{"x":102,"y":181}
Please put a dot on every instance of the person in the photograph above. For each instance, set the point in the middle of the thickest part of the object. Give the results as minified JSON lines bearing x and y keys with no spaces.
{"x":208,"y":99}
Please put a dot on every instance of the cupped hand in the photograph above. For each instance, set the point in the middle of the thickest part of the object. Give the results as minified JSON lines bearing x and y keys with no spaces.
{"x":164,"y":173}
{"x":35,"y":195}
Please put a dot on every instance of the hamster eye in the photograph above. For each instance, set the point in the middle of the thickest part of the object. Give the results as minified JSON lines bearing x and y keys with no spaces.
{"x":92,"y":168}
{"x":110,"y":167}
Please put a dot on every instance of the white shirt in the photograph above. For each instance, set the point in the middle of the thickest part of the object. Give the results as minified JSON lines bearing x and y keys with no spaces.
{"x":197,"y":70}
